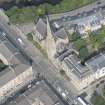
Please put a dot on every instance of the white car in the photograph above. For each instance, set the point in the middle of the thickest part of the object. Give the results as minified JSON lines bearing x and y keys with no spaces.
{"x":29,"y":86}
{"x":20,"y":41}
{"x":3,"y":33}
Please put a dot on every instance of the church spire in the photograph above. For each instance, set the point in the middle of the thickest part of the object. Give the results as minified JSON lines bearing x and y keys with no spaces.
{"x":50,"y":42}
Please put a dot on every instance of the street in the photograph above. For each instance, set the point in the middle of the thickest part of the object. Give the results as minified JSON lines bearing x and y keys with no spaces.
{"x":85,"y":9}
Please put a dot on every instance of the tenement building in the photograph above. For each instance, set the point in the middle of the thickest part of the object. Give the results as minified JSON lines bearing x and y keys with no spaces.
{"x":82,"y":23}
{"x":18,"y":72}
{"x":39,"y":94}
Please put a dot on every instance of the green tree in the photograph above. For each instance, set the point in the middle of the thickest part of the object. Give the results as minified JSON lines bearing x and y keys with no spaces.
{"x":83,"y":53}
{"x":79,"y":43}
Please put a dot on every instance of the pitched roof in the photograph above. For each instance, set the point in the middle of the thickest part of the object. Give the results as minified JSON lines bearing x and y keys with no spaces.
{"x":41,"y":27}
{"x":61,"y":33}
{"x":96,"y":63}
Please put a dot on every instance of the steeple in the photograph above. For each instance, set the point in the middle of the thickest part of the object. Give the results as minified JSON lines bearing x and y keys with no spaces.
{"x":50,"y":42}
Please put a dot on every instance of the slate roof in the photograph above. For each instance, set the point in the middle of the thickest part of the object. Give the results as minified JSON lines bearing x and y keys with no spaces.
{"x":92,"y":18}
{"x":96,"y":63}
{"x":61,"y":33}
{"x":41,"y":27}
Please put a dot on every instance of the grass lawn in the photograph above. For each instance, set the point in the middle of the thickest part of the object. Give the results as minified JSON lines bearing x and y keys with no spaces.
{"x":73,"y":37}
{"x":2,"y":66}
{"x":103,"y":91}
{"x":24,"y":15}
{"x":36,"y":44}
{"x":79,"y":43}
{"x":30,"y":37}
{"x":27,"y":14}
{"x":97,"y":100}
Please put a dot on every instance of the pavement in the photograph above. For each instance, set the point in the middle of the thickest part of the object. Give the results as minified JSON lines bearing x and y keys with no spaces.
{"x":84,"y":9}
{"x":27,"y":28}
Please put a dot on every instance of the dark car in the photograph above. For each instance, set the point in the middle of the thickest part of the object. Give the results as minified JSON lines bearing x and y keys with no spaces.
{"x":101,"y":82}
{"x":97,"y":85}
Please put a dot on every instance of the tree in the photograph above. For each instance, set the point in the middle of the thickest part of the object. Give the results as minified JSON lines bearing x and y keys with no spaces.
{"x":19,"y":1}
{"x":83,"y":53}
{"x":79,"y":43}
{"x":30,"y":37}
